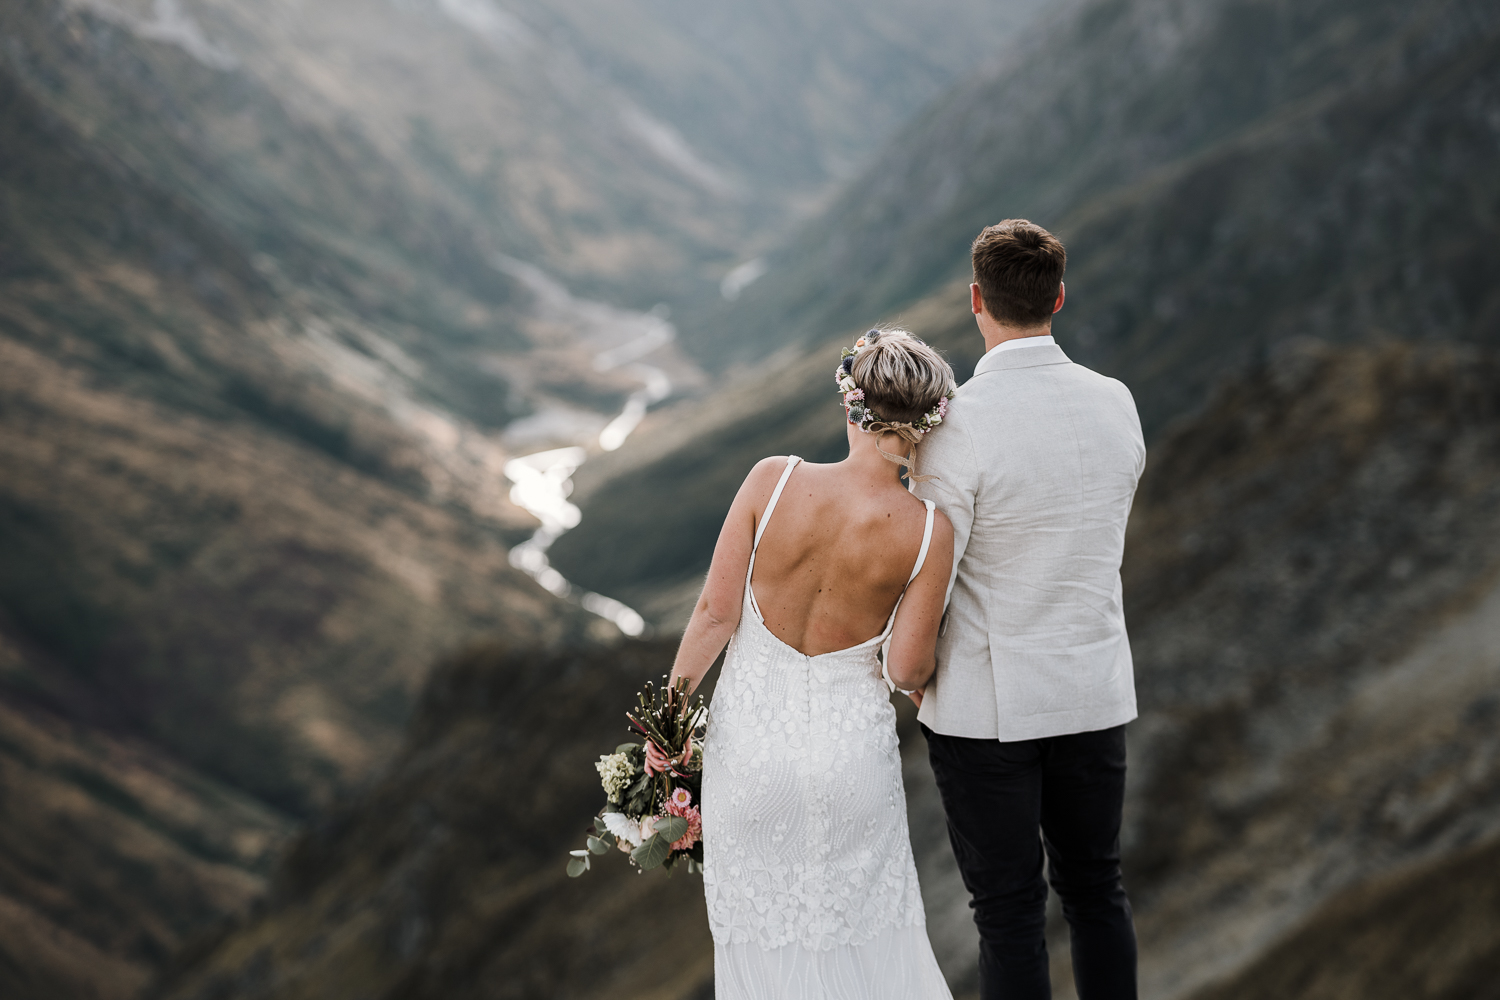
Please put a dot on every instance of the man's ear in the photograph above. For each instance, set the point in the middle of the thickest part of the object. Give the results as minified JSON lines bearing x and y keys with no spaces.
{"x":976,"y":301}
{"x":1062,"y":293}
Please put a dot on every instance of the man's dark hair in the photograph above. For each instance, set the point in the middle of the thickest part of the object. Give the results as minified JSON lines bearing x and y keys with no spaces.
{"x":1018,"y":268}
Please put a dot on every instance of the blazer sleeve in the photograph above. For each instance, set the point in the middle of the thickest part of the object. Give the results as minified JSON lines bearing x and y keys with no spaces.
{"x":948,"y":454}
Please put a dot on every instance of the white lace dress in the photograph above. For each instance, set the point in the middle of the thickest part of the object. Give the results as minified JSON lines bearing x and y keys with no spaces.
{"x":812,"y":892}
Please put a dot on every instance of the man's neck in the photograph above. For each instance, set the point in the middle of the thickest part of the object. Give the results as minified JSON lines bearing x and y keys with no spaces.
{"x":996,"y":334}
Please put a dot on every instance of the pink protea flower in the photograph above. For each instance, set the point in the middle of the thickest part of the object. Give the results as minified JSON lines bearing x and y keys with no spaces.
{"x":695,"y":825}
{"x":682,"y":798}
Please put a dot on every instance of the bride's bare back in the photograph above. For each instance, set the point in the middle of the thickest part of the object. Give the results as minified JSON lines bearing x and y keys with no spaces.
{"x":830,"y":567}
{"x":835,"y":558}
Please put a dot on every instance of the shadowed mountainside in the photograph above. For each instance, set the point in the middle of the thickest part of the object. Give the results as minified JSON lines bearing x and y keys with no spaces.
{"x":1311,"y":580}
{"x":1311,"y":569}
{"x":447,"y":878}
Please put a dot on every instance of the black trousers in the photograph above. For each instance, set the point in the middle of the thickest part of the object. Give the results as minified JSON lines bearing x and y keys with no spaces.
{"x":998,"y":797}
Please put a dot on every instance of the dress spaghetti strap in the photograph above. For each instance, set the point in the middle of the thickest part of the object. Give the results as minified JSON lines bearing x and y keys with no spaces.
{"x":926,"y":541}
{"x":765,"y":519}
{"x":890,"y":622}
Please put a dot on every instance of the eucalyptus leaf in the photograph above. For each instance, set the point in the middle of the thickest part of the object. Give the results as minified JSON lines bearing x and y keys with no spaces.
{"x":627,"y":747}
{"x":652,"y":853}
{"x":597,"y":846}
{"x":577,"y":867}
{"x":671,"y":827}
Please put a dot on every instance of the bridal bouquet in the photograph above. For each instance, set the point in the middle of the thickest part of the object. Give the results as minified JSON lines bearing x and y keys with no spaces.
{"x":652,"y":787}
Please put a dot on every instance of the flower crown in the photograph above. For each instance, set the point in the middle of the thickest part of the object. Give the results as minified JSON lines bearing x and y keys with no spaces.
{"x":854,"y":397}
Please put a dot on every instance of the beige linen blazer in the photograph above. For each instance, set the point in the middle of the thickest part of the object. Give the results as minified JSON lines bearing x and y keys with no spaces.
{"x":1037,"y":464}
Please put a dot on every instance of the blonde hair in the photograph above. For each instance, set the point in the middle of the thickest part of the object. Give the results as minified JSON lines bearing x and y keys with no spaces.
{"x":903,"y":379}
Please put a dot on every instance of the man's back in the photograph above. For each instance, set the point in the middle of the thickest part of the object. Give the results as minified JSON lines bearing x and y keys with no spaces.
{"x":1037,"y":466}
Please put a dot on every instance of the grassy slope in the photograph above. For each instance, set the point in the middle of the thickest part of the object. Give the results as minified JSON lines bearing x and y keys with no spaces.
{"x":1427,"y":932}
{"x":447,"y":878}
{"x":113,"y":853}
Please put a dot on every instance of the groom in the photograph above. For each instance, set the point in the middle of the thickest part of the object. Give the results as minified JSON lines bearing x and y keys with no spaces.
{"x":1036,"y":467}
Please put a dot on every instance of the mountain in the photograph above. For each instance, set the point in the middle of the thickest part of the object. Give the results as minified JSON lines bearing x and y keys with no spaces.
{"x":1225,"y":175}
{"x":634,"y":150}
{"x":1341,"y":191}
{"x":1312,"y":571}
{"x":282,"y":290}
{"x":222,"y":573}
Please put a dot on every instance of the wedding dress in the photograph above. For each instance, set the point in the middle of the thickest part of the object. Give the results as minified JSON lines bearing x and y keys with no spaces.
{"x":808,"y":873}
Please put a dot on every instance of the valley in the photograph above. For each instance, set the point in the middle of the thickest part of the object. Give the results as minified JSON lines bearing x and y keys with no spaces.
{"x":371,"y":373}
{"x":285,"y":289}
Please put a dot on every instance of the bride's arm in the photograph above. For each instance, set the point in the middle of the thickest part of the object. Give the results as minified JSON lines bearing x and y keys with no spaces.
{"x":717,"y":613}
{"x":912,"y":656}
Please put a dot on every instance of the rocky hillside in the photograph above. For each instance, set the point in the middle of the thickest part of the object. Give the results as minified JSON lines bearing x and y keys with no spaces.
{"x":1311,"y":577}
{"x":1311,"y":572}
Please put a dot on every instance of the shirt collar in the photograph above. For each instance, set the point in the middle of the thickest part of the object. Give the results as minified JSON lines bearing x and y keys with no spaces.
{"x":1020,"y":342}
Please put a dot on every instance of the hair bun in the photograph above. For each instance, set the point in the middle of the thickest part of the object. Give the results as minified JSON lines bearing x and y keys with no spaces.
{"x":893,"y":383}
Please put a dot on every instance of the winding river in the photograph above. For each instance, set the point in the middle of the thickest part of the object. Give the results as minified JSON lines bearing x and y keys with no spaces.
{"x":543,"y":480}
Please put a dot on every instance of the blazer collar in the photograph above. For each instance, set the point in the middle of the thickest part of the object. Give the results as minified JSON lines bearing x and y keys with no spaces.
{"x":1022,"y":357}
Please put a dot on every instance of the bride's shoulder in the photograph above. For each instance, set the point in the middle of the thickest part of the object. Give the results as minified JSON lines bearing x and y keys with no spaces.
{"x":770,"y":464}
{"x":763,"y":476}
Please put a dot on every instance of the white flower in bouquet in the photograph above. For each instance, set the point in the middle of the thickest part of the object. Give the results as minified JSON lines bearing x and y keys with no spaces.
{"x":625,"y":829}
{"x":615,"y":774}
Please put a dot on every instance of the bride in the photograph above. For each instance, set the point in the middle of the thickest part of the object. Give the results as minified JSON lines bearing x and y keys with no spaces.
{"x":808,"y":869}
